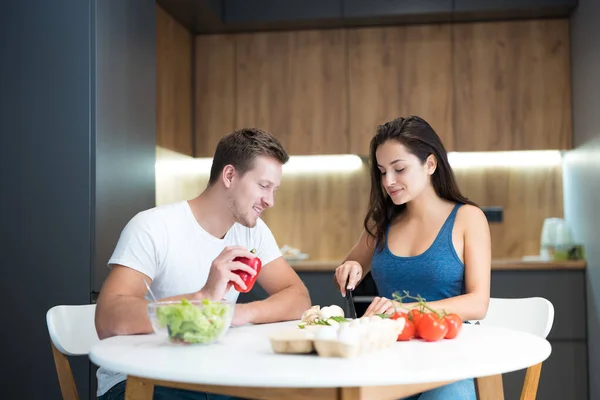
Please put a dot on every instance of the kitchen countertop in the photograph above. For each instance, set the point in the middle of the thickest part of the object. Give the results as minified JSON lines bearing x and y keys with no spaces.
{"x":497,"y":265}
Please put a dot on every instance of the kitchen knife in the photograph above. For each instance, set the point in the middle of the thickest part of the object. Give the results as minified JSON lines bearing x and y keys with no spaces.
{"x":352,"y":309}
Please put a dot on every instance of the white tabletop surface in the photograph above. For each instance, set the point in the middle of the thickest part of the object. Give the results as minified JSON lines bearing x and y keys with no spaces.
{"x":244,"y":358}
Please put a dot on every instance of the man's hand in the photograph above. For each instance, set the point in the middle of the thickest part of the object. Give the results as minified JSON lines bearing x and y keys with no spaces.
{"x":221,"y":273}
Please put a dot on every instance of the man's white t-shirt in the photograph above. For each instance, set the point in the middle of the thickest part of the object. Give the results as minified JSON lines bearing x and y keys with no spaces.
{"x":167,"y":244}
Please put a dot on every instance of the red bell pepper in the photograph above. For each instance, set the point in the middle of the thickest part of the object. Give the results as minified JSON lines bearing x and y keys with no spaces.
{"x":248,"y":279}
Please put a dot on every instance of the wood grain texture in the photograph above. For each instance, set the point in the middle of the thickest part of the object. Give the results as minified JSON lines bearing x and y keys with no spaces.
{"x":322,"y":214}
{"x":398,"y":71}
{"x":293,"y":84}
{"x":516,"y":264}
{"x":66,"y":381}
{"x":214,"y":91}
{"x":176,"y":180}
{"x":512,"y":85}
{"x":489,"y":388}
{"x":482,"y":86}
{"x":174,"y":84}
{"x":532,"y":380}
{"x":142,"y":389}
{"x":139,"y":388}
{"x":527,"y":195}
{"x":392,"y":392}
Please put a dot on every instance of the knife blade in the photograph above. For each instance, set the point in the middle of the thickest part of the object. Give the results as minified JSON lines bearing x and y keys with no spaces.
{"x":351,"y":308}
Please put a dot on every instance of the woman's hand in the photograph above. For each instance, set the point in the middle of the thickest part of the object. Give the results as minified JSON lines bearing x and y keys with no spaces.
{"x":382,"y":305}
{"x":350,"y":272}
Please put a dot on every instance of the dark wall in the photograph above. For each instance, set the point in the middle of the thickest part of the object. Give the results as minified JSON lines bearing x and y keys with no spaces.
{"x":45,"y":171}
{"x":581,"y":171}
{"x":68,"y":101}
{"x":125,"y":120}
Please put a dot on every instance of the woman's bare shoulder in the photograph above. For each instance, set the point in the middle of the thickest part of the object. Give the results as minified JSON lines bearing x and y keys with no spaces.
{"x":469,"y":215}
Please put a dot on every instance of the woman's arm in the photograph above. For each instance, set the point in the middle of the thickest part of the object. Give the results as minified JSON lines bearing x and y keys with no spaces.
{"x":356,"y":264}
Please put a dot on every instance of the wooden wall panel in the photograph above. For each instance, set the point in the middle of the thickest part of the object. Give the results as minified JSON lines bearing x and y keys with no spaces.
{"x":482,"y":86}
{"x":490,"y":86}
{"x":175,"y":180}
{"x":528,"y":196}
{"x":321,"y":214}
{"x":293,"y":84}
{"x":214,"y":91}
{"x":173,"y":84}
{"x":398,"y":71}
{"x":512,"y":85}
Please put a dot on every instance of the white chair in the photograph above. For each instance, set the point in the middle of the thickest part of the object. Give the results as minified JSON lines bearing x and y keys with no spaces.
{"x":72,"y":333}
{"x":533,"y":315}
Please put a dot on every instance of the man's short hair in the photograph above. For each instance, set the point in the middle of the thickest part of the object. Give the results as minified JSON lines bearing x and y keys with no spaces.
{"x":241,"y":147}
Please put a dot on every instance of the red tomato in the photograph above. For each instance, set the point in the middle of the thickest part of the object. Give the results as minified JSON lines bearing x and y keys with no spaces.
{"x":454,"y":323}
{"x":415,"y":315}
{"x":408,"y":332}
{"x":398,"y":315}
{"x":248,"y":279}
{"x":432,"y":327}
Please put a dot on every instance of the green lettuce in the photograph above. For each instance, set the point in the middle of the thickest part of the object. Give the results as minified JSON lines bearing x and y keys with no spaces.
{"x":189,"y":323}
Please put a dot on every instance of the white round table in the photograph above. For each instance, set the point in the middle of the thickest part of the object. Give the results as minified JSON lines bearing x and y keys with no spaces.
{"x":244,"y":359}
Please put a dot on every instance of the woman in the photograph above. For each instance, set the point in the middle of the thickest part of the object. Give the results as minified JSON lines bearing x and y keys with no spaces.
{"x":420,"y":234}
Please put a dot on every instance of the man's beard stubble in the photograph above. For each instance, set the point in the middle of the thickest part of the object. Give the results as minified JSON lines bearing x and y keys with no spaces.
{"x":238,"y":215}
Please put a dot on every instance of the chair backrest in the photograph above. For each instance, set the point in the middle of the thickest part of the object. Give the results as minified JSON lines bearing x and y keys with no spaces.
{"x":72,"y":328}
{"x":533,"y":315}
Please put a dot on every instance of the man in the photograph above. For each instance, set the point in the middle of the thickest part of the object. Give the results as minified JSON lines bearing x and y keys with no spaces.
{"x":186,"y":250}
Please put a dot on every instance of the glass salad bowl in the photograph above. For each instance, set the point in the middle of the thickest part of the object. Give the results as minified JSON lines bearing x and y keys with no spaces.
{"x":191,"y":321}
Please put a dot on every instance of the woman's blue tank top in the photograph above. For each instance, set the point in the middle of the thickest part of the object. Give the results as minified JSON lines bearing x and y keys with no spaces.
{"x":435,"y":274}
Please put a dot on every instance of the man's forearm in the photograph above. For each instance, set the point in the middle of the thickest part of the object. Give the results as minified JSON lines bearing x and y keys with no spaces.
{"x":122,"y":315}
{"x":128,"y":315}
{"x":287,"y":305}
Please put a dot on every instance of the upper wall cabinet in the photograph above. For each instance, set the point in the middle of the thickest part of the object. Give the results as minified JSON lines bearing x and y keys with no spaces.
{"x":294,"y":84}
{"x":482,"y":86}
{"x":512,"y":86}
{"x":173,"y":84}
{"x":398,"y":71}
{"x":214,"y":91}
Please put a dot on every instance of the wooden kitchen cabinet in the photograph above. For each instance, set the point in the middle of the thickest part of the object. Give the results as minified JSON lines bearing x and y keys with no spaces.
{"x":173,"y":84}
{"x":294,"y":84}
{"x":398,"y":71}
{"x":487,"y":86}
{"x":512,"y":85}
{"x":214,"y":104}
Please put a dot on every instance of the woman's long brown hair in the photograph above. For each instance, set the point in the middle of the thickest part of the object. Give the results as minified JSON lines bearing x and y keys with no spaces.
{"x":419,"y":138}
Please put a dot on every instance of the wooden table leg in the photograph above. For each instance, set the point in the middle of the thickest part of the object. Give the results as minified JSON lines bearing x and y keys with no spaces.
{"x":349,"y":393}
{"x":138,"y":388}
{"x":489,"y":388}
{"x":532,"y":379}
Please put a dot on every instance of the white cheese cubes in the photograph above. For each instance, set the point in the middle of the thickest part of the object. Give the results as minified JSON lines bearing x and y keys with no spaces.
{"x":340,"y":339}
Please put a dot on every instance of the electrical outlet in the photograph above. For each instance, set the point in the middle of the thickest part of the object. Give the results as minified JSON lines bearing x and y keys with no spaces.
{"x":493,"y":214}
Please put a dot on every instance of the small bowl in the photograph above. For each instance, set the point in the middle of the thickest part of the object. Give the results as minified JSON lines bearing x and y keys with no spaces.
{"x":191,"y":321}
